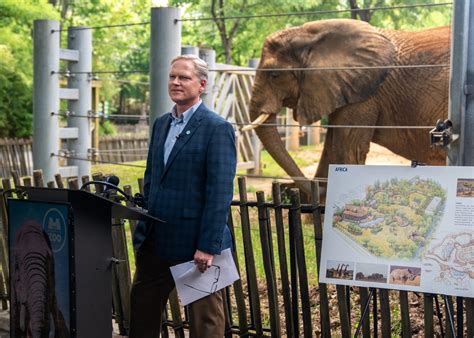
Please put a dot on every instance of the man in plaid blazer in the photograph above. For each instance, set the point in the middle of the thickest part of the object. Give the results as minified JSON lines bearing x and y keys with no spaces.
{"x":189,"y":185}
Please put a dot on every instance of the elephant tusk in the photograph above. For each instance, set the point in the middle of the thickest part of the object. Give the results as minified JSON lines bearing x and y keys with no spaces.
{"x":257,"y":122}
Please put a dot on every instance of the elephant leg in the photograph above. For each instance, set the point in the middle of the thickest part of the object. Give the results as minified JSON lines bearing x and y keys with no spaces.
{"x":347,"y":145}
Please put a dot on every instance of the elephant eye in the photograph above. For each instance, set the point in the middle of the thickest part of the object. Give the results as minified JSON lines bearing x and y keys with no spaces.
{"x":274,"y":74}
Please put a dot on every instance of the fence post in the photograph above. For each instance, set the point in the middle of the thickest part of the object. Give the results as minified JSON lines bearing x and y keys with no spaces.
{"x":165,"y":45}
{"x":285,"y":283}
{"x":292,"y":138}
{"x":80,"y":39}
{"x":295,"y":221}
{"x":461,"y":98}
{"x":266,"y":242}
{"x":45,"y":96}
{"x":254,"y":298}
{"x":318,"y":241}
{"x":209,"y":55}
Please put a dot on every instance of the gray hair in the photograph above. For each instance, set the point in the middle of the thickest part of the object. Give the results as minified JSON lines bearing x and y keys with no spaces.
{"x":200,"y":66}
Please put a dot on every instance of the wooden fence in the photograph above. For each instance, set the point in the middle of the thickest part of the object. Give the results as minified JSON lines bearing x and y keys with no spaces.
{"x":279,"y":293}
{"x":123,"y":148}
{"x":16,"y":155}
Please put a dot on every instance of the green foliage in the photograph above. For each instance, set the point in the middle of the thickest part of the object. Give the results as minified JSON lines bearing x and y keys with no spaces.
{"x":125,"y":49}
{"x":16,"y":63}
{"x":107,"y":128}
{"x":121,"y":49}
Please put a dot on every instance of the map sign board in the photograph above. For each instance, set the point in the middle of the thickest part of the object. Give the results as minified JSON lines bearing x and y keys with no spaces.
{"x":399,"y":227}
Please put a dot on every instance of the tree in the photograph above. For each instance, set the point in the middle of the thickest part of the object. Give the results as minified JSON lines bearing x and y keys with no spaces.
{"x":16,"y":63}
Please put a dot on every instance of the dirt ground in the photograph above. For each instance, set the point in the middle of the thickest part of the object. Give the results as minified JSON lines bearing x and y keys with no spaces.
{"x":378,"y":155}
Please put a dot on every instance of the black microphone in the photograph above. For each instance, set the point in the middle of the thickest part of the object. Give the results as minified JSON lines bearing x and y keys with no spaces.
{"x":114,"y":180}
{"x":177,"y":137}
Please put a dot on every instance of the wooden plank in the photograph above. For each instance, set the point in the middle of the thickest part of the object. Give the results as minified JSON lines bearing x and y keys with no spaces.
{"x":99,"y":188}
{"x":176,"y":315}
{"x":285,"y":283}
{"x":469,"y":303}
{"x":4,"y":282}
{"x":449,"y":327}
{"x":38,"y":178}
{"x":238,"y":289}
{"x":133,"y":223}
{"x":428,"y":314}
{"x":16,"y":179}
{"x":226,"y":91}
{"x":364,"y":298}
{"x":249,"y":259}
{"x":120,"y":253}
{"x":295,"y":214}
{"x":73,"y":183}
{"x":385,"y":313}
{"x":405,"y":314}
{"x":116,"y":301}
{"x":84,"y":180}
{"x":268,"y":266}
{"x":343,"y":310}
{"x":318,"y":240}
{"x":295,"y":311}
{"x":59,"y":181}
{"x":27,"y":181}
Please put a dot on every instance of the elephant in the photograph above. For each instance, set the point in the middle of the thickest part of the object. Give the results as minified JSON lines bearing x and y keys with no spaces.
{"x":33,"y":295}
{"x":378,"y":95}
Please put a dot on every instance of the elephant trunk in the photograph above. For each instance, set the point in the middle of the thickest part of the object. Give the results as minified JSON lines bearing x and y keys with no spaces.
{"x":272,"y":142}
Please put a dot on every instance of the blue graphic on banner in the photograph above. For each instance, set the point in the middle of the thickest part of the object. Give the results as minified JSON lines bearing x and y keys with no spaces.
{"x":39,"y":267}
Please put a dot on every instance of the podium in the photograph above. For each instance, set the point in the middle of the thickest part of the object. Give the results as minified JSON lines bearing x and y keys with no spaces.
{"x":70,"y":230}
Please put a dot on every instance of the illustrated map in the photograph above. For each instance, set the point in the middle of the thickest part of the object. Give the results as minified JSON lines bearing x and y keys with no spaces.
{"x":399,"y":227}
{"x":396,"y":217}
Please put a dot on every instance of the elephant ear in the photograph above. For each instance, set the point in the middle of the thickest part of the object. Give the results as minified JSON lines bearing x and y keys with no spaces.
{"x":338,"y":43}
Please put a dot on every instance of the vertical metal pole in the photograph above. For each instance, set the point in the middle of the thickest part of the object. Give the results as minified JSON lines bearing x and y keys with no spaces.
{"x":193,"y":50}
{"x":46,"y":97}
{"x":165,"y":45}
{"x":209,"y":55}
{"x":468,"y":121}
{"x":80,"y":40}
{"x":461,"y":107}
{"x":256,"y":143}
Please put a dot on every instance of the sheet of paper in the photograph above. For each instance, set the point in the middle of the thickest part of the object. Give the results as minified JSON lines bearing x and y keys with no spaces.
{"x":193,"y":285}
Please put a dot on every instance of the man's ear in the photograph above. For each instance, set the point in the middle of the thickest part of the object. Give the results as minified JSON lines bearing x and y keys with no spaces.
{"x":203,"y":84}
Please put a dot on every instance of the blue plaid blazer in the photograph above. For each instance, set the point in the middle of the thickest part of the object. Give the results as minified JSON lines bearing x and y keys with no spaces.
{"x":193,"y":192}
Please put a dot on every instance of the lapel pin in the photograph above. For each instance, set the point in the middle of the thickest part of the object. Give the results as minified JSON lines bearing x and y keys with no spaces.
{"x":188,"y":132}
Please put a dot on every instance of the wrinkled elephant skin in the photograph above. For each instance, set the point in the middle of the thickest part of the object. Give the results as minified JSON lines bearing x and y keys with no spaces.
{"x":374,"y":96}
{"x":33,"y":286}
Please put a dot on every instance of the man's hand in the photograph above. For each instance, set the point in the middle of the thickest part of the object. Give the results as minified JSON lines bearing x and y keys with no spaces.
{"x":203,"y":260}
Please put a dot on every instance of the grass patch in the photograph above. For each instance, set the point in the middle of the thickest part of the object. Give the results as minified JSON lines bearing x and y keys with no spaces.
{"x":127,"y":175}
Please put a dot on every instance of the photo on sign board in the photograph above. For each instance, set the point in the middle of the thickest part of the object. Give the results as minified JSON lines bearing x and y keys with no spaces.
{"x":405,"y":275}
{"x":340,"y":270}
{"x":368,"y":272}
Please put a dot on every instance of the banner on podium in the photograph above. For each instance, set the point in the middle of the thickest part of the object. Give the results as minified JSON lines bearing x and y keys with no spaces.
{"x":40,"y":268}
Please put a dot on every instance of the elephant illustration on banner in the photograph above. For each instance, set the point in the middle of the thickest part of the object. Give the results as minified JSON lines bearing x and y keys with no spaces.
{"x":33,"y":298}
{"x":376,"y":93}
